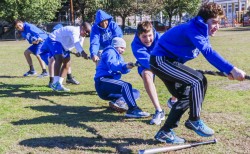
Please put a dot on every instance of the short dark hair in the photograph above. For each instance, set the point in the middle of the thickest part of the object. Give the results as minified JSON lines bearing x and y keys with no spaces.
{"x":210,"y":10}
{"x":16,"y":22}
{"x":144,"y":27}
{"x":86,"y":26}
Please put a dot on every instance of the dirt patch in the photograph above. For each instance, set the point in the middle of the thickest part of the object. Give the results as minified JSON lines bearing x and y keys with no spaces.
{"x":240,"y":86}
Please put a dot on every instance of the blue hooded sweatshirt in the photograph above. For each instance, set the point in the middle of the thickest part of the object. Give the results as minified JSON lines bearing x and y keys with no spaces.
{"x":142,"y":52}
{"x":32,"y":33}
{"x":100,"y":38}
{"x":185,"y":42}
{"x":111,"y":65}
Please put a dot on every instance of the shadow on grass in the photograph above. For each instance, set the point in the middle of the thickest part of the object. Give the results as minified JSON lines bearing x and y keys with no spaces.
{"x":76,"y":117}
{"x":35,"y":91}
{"x":85,"y":143}
{"x":6,"y":76}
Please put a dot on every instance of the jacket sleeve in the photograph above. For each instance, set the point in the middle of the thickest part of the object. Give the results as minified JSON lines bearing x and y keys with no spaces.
{"x":214,"y":58}
{"x":141,"y":54}
{"x":116,"y":30}
{"x":94,"y":41}
{"x":34,"y":31}
{"x":114,"y":64}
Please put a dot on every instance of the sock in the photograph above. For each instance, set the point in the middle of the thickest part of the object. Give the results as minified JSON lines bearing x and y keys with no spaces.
{"x":159,"y":110}
{"x":51,"y":79}
{"x":32,"y":68}
{"x":69,"y":76}
{"x":61,"y":80}
{"x":174,"y":101}
{"x":44,"y":71}
{"x":56,"y":79}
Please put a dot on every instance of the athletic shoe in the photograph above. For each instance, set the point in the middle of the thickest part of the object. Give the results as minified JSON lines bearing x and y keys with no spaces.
{"x":72,"y":81}
{"x":199,"y":127}
{"x":43,"y":74}
{"x":168,"y":137}
{"x":58,"y":87}
{"x":136,"y":113}
{"x":170,"y":103}
{"x":50,"y":85}
{"x":158,"y":117}
{"x":30,"y":73}
{"x":119,"y":105}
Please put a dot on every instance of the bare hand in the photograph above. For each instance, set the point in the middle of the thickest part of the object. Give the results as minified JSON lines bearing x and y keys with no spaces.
{"x":95,"y":58}
{"x":78,"y":54}
{"x":237,"y":74}
{"x":130,"y":65}
{"x":37,"y":41}
{"x":84,"y":55}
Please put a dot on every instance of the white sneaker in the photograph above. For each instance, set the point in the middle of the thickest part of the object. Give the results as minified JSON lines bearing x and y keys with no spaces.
{"x":158,"y":117}
{"x":119,"y":105}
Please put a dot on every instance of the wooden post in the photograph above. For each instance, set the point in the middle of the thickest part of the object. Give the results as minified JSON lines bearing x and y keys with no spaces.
{"x":72,"y":13}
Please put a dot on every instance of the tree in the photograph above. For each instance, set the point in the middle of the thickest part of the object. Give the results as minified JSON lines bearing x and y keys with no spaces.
{"x":37,"y":12}
{"x":177,"y":7}
{"x":122,"y":8}
{"x":87,"y":9}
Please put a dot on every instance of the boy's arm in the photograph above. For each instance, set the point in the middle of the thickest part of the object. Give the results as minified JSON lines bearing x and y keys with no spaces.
{"x":116,"y":30}
{"x":114,"y":64}
{"x":141,"y":55}
{"x":214,"y":58}
{"x":94,"y":42}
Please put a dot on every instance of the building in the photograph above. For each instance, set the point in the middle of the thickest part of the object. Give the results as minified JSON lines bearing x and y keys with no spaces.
{"x":234,"y":10}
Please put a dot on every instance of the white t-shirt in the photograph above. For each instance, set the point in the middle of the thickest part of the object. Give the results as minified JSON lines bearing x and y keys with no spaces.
{"x":69,"y":37}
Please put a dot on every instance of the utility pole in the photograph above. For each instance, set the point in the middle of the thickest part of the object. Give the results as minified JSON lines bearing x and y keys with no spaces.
{"x":72,"y":12}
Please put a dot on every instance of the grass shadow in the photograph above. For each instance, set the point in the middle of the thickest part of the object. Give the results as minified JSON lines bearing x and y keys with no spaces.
{"x":6,"y":76}
{"x":81,"y":143}
{"x":77,"y":117}
{"x":28,"y":91}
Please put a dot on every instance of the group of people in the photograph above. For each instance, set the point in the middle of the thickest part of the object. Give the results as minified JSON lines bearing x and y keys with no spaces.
{"x":162,"y":56}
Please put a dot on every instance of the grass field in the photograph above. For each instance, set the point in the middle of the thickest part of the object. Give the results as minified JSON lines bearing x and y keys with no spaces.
{"x":34,"y":119}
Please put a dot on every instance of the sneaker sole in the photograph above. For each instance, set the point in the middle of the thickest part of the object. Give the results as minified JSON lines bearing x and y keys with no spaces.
{"x":199,"y":132}
{"x":151,"y":123}
{"x":68,"y":82}
{"x":29,"y":75}
{"x":134,"y":116}
{"x":117,"y":109}
{"x":165,"y":141}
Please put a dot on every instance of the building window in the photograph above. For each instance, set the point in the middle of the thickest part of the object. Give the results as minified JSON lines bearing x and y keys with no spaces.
{"x":229,"y":8}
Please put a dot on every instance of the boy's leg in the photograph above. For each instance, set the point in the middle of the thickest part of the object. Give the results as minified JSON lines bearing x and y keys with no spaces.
{"x":70,"y":78}
{"x":42,"y":64}
{"x":112,"y":86}
{"x":174,"y":72}
{"x":27,"y":54}
{"x":148,"y":80}
{"x":51,"y":70}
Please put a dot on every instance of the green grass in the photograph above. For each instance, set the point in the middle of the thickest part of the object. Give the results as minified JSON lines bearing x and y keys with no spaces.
{"x":34,"y":119}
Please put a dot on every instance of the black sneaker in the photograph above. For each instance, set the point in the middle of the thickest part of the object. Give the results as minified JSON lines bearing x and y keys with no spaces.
{"x":30,"y":73}
{"x":72,"y":81}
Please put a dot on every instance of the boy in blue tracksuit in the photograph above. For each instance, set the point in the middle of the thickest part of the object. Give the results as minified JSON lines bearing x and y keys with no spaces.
{"x":108,"y":84}
{"x":177,"y":46}
{"x":34,"y":36}
{"x":144,"y":41}
{"x":102,"y":33}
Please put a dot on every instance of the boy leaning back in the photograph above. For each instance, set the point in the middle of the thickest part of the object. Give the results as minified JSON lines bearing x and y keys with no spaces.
{"x":144,"y":41}
{"x":108,"y":83}
{"x":36,"y":37}
{"x":177,"y":46}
